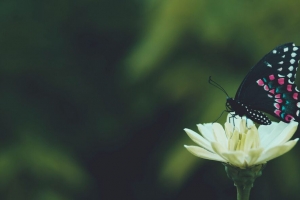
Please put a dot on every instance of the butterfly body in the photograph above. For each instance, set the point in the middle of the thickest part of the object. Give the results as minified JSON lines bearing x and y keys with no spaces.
{"x":269,"y":87}
{"x":244,"y":110}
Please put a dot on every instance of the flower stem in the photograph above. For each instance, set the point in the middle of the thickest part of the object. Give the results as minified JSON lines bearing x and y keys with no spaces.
{"x":243,"y":178}
{"x":243,"y":193}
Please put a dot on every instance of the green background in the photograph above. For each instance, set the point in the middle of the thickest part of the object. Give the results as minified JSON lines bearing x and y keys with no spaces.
{"x":94,"y":95}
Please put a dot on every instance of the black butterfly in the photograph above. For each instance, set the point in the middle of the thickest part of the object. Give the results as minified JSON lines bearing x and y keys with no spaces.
{"x":269,"y":87}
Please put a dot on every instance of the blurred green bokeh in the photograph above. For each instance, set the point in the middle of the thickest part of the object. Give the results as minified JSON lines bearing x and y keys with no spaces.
{"x":94,"y":95}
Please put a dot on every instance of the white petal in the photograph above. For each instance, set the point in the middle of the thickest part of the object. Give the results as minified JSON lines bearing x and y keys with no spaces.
{"x":233,"y":141}
{"x":206,"y":131}
{"x":203,"y":153}
{"x":285,"y":135}
{"x":270,"y":136}
{"x":220,"y":135}
{"x":243,"y":127}
{"x":198,"y":139}
{"x":218,"y":149}
{"x":253,"y":156}
{"x":269,"y":127}
{"x":248,"y":121}
{"x":265,"y":130}
{"x":250,"y":138}
{"x":228,"y":130}
{"x":236,"y":158}
{"x":276,"y":151}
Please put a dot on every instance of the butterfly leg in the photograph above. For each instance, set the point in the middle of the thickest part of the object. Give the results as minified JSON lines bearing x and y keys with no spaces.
{"x":232,"y":117}
{"x":247,"y":123}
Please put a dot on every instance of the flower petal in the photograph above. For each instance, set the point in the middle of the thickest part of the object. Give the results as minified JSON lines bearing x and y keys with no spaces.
{"x":276,"y":151}
{"x":198,"y":139}
{"x":220,"y":135}
{"x":266,"y":129}
{"x":253,"y":156}
{"x":233,"y":157}
{"x":206,"y":131}
{"x":233,"y":141}
{"x":219,"y":149}
{"x":229,"y":129}
{"x":285,"y":135}
{"x":236,"y":158}
{"x":250,"y":138}
{"x":203,"y":153}
{"x":268,"y":137}
{"x":243,"y":126}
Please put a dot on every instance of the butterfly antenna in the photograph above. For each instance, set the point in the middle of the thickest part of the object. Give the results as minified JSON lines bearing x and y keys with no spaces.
{"x":213,"y":83}
{"x":219,"y":116}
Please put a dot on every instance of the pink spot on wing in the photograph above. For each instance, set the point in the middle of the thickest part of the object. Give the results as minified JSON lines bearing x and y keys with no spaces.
{"x":266,"y":88}
{"x":295,"y":96}
{"x":288,"y":118}
{"x":277,"y":112}
{"x":278,"y":96}
{"x":277,"y":105}
{"x":281,"y":81}
{"x":278,"y":100}
{"x":289,"y":88}
{"x":260,"y":82}
{"x":272,"y":77}
{"x":272,"y":91}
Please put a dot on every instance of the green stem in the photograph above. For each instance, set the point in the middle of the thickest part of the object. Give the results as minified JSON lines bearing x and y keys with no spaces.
{"x":243,"y":193}
{"x":243,"y":178}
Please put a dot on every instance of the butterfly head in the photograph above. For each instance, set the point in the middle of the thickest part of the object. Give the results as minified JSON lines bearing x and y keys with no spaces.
{"x":229,"y":102}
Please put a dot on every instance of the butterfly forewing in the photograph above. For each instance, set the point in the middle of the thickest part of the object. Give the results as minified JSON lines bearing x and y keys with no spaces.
{"x":270,"y":85}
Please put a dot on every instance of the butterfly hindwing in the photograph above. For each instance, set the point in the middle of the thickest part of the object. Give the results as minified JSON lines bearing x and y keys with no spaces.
{"x":270,"y":85}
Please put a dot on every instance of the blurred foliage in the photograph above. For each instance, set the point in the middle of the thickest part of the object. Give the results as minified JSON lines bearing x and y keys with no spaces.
{"x":95,"y":94}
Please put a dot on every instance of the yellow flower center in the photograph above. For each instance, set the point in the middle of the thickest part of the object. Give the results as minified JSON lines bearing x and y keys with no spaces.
{"x":244,"y":139}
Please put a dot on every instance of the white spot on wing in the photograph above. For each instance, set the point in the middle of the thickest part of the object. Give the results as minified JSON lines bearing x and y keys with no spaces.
{"x":290,"y":75}
{"x":292,"y":61}
{"x":274,"y":51}
{"x":295,"y":48}
{"x":281,"y":62}
{"x":268,"y":64}
{"x":293,"y":54}
{"x":291,"y":82}
{"x":291,"y":68}
{"x":285,"y":49}
{"x":279,"y":69}
{"x":279,"y":75}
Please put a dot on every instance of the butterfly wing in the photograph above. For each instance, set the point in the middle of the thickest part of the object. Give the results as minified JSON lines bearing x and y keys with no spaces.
{"x":270,"y":87}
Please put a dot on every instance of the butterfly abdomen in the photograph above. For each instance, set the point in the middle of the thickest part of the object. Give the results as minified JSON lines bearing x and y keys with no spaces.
{"x":244,"y":110}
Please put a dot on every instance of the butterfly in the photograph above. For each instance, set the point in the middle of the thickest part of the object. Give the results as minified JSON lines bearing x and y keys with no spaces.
{"x":269,"y":87}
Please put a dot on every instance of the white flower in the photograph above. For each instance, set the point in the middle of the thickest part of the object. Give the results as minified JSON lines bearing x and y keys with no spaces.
{"x":241,"y":144}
